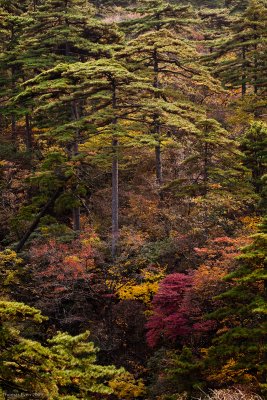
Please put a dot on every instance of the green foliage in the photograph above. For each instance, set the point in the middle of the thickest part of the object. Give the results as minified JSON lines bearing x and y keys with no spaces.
{"x":64,"y":368}
{"x":95,"y":102}
{"x":240,"y":59}
{"x":254,"y":145}
{"x":184,"y":370}
{"x":241,"y":341}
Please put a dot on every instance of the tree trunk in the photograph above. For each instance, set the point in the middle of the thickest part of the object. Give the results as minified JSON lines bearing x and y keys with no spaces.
{"x":205,"y":170}
{"x":115,"y":183}
{"x":158,"y":164}
{"x":255,"y":65}
{"x":244,"y":84}
{"x":156,"y":122}
{"x":76,"y":219}
{"x":13,"y":130}
{"x":76,"y":212}
{"x":29,"y":141}
{"x":115,"y":198}
{"x":37,"y":220}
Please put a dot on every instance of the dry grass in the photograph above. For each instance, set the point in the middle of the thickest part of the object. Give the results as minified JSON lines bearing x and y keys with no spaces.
{"x":229,"y":394}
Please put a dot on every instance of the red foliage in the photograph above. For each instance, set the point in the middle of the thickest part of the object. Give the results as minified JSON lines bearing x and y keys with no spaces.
{"x":62,"y":264}
{"x":65,"y":275}
{"x":171,"y":315}
{"x":222,"y":249}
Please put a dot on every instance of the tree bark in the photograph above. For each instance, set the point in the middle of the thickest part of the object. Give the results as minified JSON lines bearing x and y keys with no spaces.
{"x":29,"y":141}
{"x":76,"y":212}
{"x":158,"y":157}
{"x":13,"y":130}
{"x":115,"y":183}
{"x":244,"y":84}
{"x":205,"y":170}
{"x":158,"y":164}
{"x":76,"y":219}
{"x":36,"y":222}
{"x":115,"y":198}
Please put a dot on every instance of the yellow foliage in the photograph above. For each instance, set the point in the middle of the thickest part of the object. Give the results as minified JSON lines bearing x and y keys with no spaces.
{"x":4,"y":163}
{"x":125,"y":386}
{"x":251,"y":222}
{"x":9,"y":264}
{"x":9,"y":257}
{"x":143,"y":291}
{"x":230,"y":374}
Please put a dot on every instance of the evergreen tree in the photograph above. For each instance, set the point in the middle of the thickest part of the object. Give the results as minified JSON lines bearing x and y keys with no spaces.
{"x":236,"y":5}
{"x":12,"y":23}
{"x":240,"y":344}
{"x":208,"y":178}
{"x":240,"y":61}
{"x":64,"y":31}
{"x":64,"y":368}
{"x":254,"y":146}
{"x":110,"y":94}
{"x":215,"y":25}
{"x":162,"y":52}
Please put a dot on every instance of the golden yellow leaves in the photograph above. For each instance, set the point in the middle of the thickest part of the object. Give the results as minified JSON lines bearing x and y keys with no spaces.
{"x":145,"y":290}
{"x":126,"y":387}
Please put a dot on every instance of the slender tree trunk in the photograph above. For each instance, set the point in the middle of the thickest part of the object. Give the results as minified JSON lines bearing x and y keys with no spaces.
{"x":13,"y":84}
{"x":115,"y":183}
{"x":115,"y":198}
{"x":244,"y":83}
{"x":158,"y":164}
{"x":76,"y":219}
{"x":255,"y":66}
{"x":29,"y":141}
{"x":205,"y":169}
{"x":76,"y":212}
{"x":158,"y":156}
{"x":13,"y":130}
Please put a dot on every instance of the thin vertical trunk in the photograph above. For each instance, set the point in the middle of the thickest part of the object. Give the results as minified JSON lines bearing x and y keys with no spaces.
{"x":76,"y":219}
{"x":158,"y":156}
{"x":115,"y":198}
{"x":158,"y":164}
{"x":115,"y":183}
{"x":29,"y":141}
{"x":13,"y":86}
{"x":76,"y":212}
{"x":13,"y":130}
{"x":205,"y":170}
{"x":255,"y":67}
{"x":244,"y":84}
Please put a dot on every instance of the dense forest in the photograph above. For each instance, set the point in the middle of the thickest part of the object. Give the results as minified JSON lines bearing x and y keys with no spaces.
{"x":133,"y":175}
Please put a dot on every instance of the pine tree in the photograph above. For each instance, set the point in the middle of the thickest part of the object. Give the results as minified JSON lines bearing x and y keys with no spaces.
{"x":110,"y":94}
{"x":215,"y":25}
{"x":240,"y":61}
{"x":210,"y":160}
{"x":163,"y":53}
{"x":12,"y":23}
{"x":63,"y":31}
{"x":64,"y":368}
{"x":236,"y":5}
{"x":241,"y":339}
{"x":254,"y":147}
